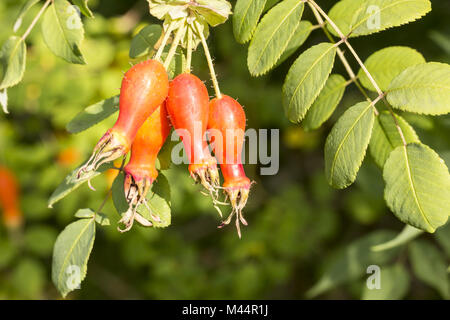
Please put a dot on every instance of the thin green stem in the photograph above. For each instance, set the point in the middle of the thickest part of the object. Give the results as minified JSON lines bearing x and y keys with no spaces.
{"x":189,"y":49}
{"x":35,"y":20}
{"x":174,"y":46}
{"x":210,"y":63}
{"x":164,"y":41}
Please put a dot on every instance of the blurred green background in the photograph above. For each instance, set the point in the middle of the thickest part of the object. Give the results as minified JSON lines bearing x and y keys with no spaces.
{"x":297,"y":223}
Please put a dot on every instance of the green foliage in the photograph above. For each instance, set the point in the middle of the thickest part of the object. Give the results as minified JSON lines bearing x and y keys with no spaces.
{"x":405,"y":236}
{"x":83,"y":6}
{"x":429,"y":266}
{"x":71,"y":253}
{"x":351,"y":262}
{"x":93,"y":115}
{"x":245,"y":18}
{"x":301,"y":34}
{"x":13,"y":59}
{"x":99,"y":217}
{"x":63,"y":31}
{"x":23,"y":11}
{"x":423,"y":88}
{"x":394,"y":284}
{"x":144,"y":42}
{"x":306,"y":78}
{"x":385,"y":64}
{"x":272,"y":36}
{"x":386,"y":136}
{"x":359,"y":17}
{"x":326,"y":102}
{"x":346,"y":145}
{"x":417,"y":186}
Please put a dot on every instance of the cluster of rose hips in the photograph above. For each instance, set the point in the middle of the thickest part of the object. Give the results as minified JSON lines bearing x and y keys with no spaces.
{"x":149,"y":104}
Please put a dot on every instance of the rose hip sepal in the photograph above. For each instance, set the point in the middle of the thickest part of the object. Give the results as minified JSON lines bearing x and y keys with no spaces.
{"x":187,"y":105}
{"x":140,"y":172}
{"x":144,"y":88}
{"x":226,"y":127}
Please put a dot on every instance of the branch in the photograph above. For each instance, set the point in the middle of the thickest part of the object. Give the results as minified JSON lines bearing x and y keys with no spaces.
{"x":35,"y":20}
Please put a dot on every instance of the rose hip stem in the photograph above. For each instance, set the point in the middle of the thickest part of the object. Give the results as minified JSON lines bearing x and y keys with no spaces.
{"x":187,"y":106}
{"x":144,"y":88}
{"x":227,"y":122}
{"x":140,"y":172}
{"x":9,"y":199}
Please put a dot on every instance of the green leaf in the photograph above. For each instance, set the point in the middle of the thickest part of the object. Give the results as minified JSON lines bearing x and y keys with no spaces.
{"x":245,"y":18}
{"x":143,"y":43}
{"x":71,"y":183}
{"x":214,"y":12}
{"x":100,"y":218}
{"x":326,"y":102}
{"x":272,"y":36}
{"x":93,"y":114}
{"x":158,"y":200}
{"x":385,"y":136}
{"x":406,"y":235}
{"x":306,"y":78}
{"x":385,"y":64}
{"x":423,"y":88}
{"x":63,"y":31}
{"x":346,"y":144}
{"x":417,"y":186}
{"x":13,"y":59}
{"x":71,"y":254}
{"x":443,"y":238}
{"x":394,"y":284}
{"x":429,"y":266}
{"x":83,"y":6}
{"x":352,"y":261}
{"x":177,"y":65}
{"x":361,"y":17}
{"x":301,"y":34}
{"x":26,"y":6}
{"x":4,"y":100}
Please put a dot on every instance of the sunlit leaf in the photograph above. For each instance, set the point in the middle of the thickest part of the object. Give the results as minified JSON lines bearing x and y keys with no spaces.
{"x":326,"y":102}
{"x":346,"y":144}
{"x":301,"y":34}
{"x":13,"y":59}
{"x":93,"y":115}
{"x":71,"y":254}
{"x":386,"y":137}
{"x":63,"y":31}
{"x":245,"y":18}
{"x":423,"y":88}
{"x":144,"y":42}
{"x":100,"y":218}
{"x":384,"y":65}
{"x":306,"y":78}
{"x":23,"y":11}
{"x":83,"y":6}
{"x":272,"y":35}
{"x":417,"y":186}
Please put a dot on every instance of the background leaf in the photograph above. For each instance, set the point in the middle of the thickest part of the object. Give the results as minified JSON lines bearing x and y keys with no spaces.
{"x":423,"y":88}
{"x":346,"y":144}
{"x":272,"y":36}
{"x":13,"y":59}
{"x":385,"y":136}
{"x":93,"y":115}
{"x":245,"y":18}
{"x":63,"y":31}
{"x":394,"y":284}
{"x":326,"y":102}
{"x":429,"y":266}
{"x":306,"y":78}
{"x":417,"y":186}
{"x":443,"y":238}
{"x":71,"y":254}
{"x":352,"y":261}
{"x":385,"y":64}
{"x":143,"y":43}
{"x":407,"y":234}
